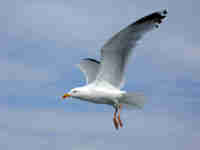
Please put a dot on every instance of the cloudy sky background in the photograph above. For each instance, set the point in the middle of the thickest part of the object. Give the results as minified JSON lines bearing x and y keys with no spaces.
{"x":42,"y":40}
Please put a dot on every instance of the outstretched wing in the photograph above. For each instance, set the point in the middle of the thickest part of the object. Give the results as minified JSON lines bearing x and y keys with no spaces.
{"x":115,"y":53}
{"x":90,"y":68}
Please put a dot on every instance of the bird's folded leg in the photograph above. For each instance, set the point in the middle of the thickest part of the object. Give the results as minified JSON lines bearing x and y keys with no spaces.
{"x":120,"y":121}
{"x":115,"y":119}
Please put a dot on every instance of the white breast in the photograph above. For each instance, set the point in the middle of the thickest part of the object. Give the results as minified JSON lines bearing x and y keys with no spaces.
{"x":101,"y":95}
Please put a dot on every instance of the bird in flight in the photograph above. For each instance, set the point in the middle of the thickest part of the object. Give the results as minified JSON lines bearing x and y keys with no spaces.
{"x":105,"y":78}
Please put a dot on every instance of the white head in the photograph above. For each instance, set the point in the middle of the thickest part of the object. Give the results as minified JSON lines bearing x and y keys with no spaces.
{"x":76,"y":93}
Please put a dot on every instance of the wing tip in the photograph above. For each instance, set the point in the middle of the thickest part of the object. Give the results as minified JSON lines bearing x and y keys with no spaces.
{"x":163,"y":13}
{"x":156,"y":17}
{"x":91,"y":59}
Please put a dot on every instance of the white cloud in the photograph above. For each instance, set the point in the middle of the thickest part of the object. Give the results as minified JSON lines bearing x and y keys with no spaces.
{"x":58,"y":129}
{"x":83,"y":26}
{"x":85,"y":23}
{"x":63,"y":21}
{"x":18,"y":71}
{"x":21,"y":80}
{"x":178,"y":56}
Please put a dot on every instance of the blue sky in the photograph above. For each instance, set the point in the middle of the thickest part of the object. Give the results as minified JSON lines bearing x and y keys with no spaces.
{"x":41,"y":41}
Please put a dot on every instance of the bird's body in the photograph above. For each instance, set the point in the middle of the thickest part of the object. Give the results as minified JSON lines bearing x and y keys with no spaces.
{"x":103,"y":94}
{"x":105,"y":78}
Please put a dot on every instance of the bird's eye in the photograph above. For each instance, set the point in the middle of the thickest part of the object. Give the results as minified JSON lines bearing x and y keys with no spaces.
{"x":75,"y":91}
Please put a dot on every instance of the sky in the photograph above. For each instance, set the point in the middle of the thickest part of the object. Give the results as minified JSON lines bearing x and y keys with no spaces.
{"x":41,"y":41}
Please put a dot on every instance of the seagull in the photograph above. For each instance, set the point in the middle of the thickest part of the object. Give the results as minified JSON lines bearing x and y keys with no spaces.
{"x":105,"y":78}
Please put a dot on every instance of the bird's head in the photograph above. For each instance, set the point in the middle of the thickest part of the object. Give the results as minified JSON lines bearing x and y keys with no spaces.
{"x":76,"y":93}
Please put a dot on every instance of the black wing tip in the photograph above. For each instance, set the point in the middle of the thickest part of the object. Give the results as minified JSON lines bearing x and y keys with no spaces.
{"x":162,"y":13}
{"x":157,"y":17}
{"x":91,"y":59}
{"x":165,"y":12}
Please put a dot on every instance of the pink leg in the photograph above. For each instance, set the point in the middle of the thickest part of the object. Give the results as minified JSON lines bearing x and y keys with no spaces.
{"x":115,"y":119}
{"x":120,"y":121}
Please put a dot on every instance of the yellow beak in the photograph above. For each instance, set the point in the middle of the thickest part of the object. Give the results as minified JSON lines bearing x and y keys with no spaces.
{"x":66,"y":95}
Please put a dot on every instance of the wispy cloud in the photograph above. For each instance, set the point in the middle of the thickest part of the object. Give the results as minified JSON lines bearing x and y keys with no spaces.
{"x":42,"y":40}
{"x":17,"y":71}
{"x":55,"y":129}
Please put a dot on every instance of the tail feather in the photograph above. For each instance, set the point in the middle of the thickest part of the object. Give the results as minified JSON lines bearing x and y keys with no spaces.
{"x":135,"y":100}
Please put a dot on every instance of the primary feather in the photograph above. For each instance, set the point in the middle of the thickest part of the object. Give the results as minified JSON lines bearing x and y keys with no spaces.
{"x":90,"y":68}
{"x":115,"y":52}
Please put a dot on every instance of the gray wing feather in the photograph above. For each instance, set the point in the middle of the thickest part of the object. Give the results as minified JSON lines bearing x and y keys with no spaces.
{"x":115,"y":53}
{"x":90,"y":68}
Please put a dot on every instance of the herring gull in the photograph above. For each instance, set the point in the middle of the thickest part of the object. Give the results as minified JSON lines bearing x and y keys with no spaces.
{"x":105,"y":78}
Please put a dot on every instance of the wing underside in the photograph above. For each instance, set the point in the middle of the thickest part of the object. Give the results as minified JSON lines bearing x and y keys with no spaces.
{"x":116,"y":52}
{"x":90,"y":68}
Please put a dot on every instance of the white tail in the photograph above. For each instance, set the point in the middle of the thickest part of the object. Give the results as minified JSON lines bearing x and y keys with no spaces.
{"x":136,"y":100}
